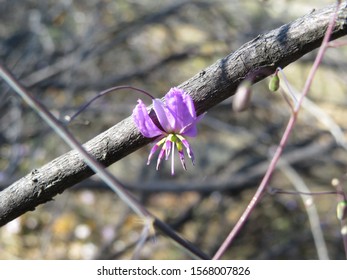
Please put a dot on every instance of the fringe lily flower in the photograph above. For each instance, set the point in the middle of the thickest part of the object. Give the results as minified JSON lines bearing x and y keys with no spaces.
{"x":177,"y":119}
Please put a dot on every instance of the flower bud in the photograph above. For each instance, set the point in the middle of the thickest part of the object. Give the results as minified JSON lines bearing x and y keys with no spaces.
{"x":274,"y":83}
{"x":335,"y":182}
{"x":242,"y":96}
{"x":341,"y":210}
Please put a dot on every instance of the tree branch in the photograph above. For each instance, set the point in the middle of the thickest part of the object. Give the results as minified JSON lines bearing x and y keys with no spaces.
{"x":257,"y":59}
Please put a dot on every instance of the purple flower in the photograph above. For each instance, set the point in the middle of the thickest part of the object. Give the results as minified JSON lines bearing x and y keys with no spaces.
{"x":177,"y":119}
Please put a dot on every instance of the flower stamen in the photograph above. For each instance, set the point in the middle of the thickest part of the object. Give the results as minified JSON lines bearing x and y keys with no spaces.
{"x":173,"y":159}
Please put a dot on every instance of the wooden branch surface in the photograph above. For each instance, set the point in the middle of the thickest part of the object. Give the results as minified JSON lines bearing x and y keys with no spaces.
{"x":258,"y":59}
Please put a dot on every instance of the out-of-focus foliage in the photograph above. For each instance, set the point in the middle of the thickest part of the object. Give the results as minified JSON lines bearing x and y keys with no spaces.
{"x":67,"y":51}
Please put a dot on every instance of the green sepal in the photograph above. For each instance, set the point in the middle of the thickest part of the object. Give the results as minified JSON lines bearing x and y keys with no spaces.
{"x":179,"y":145}
{"x":341,"y":210}
{"x":274,"y":83}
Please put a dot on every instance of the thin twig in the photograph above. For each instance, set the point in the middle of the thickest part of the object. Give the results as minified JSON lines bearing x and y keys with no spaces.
{"x":273,"y":191}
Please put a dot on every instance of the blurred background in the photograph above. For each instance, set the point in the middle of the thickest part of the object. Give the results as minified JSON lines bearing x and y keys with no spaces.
{"x":66,"y":51}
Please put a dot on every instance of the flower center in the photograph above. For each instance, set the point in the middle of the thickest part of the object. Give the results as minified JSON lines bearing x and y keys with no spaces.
{"x":174,"y":138}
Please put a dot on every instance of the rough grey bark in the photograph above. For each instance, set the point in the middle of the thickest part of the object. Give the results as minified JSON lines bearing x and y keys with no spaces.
{"x":257,"y":58}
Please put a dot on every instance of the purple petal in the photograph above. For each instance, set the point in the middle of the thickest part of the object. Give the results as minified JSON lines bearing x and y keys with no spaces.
{"x":168,"y":145}
{"x":143,"y":121}
{"x":181,"y":154}
{"x":166,"y":119}
{"x":188,"y":148}
{"x":153,"y":150}
{"x":161,"y":156}
{"x":181,"y":106}
{"x":191,"y":130}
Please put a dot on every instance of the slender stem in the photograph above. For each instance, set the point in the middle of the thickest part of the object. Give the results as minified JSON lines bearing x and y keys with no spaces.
{"x":193,"y":250}
{"x":276,"y":191}
{"x":102,"y":93}
{"x":267,"y":177}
